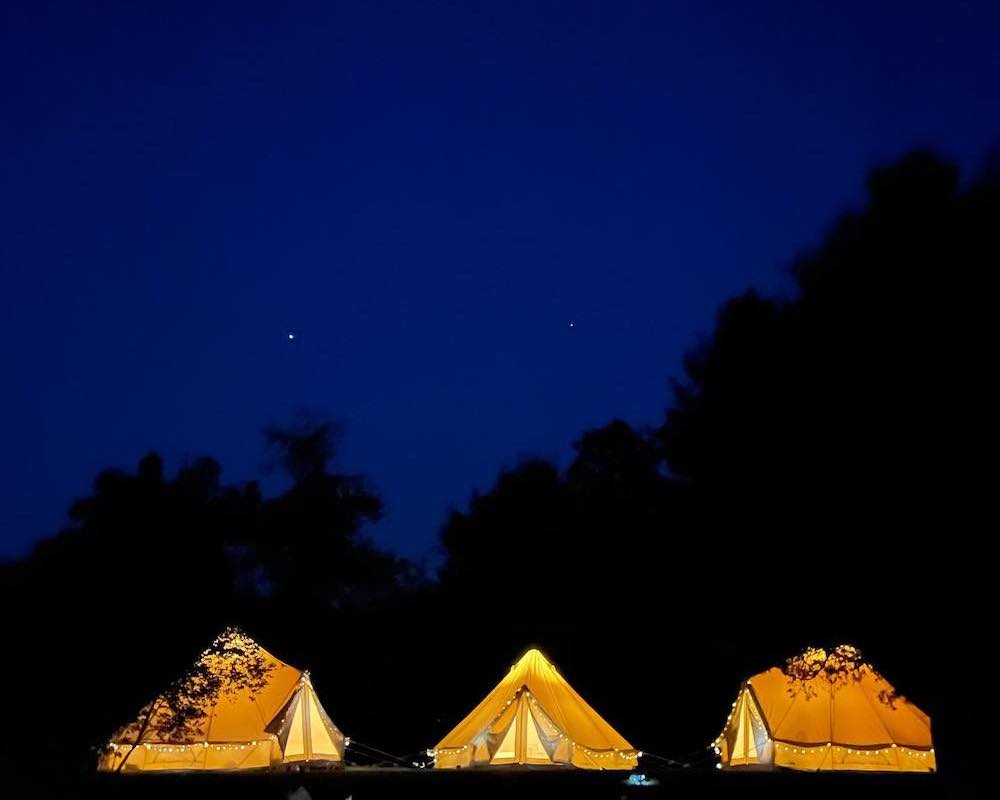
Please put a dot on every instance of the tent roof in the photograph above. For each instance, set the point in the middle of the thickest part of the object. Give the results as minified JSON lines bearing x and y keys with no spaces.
{"x":236,"y":716}
{"x":570,"y":712}
{"x":857,"y":711}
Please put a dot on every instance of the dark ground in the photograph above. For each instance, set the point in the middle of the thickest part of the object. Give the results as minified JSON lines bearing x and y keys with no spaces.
{"x":521,"y":784}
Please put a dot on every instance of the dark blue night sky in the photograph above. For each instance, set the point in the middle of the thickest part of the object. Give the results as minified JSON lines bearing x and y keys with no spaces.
{"x":427,"y":195}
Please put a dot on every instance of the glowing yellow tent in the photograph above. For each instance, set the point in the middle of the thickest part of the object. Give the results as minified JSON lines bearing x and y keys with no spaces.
{"x":278,"y":722}
{"x":534,"y":716}
{"x":825,"y":712}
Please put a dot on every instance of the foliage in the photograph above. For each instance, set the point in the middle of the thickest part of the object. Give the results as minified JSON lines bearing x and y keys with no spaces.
{"x":232,"y":663}
{"x":304,"y":448}
{"x":838,"y":667}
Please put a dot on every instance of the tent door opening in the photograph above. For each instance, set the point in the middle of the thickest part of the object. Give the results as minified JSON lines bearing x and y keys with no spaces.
{"x":750,"y":743}
{"x":521,"y":742}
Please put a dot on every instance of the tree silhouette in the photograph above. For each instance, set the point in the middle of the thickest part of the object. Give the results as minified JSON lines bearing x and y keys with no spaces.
{"x":593,"y":530}
{"x":835,"y":420}
{"x":308,"y":544}
{"x":810,"y":479}
{"x":304,"y":448}
{"x":151,"y":565}
{"x":839,"y":666}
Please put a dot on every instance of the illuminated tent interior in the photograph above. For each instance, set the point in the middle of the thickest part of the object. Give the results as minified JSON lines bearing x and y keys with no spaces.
{"x":826,"y":712}
{"x":534,"y":716}
{"x":278,"y":723}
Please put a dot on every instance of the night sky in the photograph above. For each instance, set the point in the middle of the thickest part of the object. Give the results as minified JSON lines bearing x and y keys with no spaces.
{"x":488,"y":226}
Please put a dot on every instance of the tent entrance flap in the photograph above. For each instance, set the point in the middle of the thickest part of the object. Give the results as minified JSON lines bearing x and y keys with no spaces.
{"x":303,"y":729}
{"x":534,"y":750}
{"x":529,"y":736}
{"x":748,"y":740}
{"x":507,"y":751}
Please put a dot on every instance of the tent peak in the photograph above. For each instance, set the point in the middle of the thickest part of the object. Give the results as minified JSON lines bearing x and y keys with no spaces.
{"x":530,"y":653}
{"x":232,"y":642}
{"x":532,"y":658}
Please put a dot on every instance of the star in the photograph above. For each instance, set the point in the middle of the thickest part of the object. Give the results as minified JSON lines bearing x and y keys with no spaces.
{"x":291,"y":336}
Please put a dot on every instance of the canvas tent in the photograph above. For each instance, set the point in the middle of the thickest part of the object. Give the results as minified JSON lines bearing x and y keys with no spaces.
{"x":534,"y":716}
{"x":277,"y":723}
{"x":825,"y":712}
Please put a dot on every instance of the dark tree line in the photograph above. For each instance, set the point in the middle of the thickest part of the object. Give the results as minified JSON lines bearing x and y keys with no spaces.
{"x":152,"y":567}
{"x":814,"y":446}
{"x":809,"y":483}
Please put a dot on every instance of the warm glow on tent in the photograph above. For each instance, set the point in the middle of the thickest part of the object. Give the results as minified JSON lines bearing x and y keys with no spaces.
{"x":534,"y":716}
{"x":281,"y":722}
{"x":826,"y":712}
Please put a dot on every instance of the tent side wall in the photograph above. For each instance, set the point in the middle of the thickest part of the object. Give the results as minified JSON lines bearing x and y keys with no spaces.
{"x":222,"y":756}
{"x":604,"y":759}
{"x":745,"y":741}
{"x":853,"y":759}
{"x":580,"y":757}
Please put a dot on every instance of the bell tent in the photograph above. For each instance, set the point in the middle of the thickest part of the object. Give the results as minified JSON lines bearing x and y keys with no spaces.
{"x":825,"y":712}
{"x":237,"y":708}
{"x":534,"y":716}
